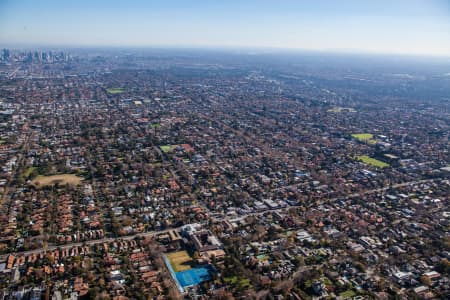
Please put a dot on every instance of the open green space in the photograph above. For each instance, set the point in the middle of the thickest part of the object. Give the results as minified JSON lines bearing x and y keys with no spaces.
{"x":167,"y":148}
{"x":62,"y":179}
{"x":180,"y":261}
{"x":241,"y":282}
{"x":115,"y":90}
{"x":365,"y":137}
{"x":327,"y":281}
{"x":372,"y":161}
{"x":156,"y":125}
{"x":362,"y":136}
{"x":28,"y":171}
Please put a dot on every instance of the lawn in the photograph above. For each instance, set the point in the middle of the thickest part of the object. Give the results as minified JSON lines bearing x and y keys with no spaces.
{"x":115,"y":91}
{"x":308,"y":283}
{"x":180,"y":261}
{"x":29,"y":171}
{"x":62,"y":179}
{"x":167,"y":148}
{"x":363,"y":136}
{"x":372,"y":161}
{"x":327,"y":281}
{"x":241,"y":282}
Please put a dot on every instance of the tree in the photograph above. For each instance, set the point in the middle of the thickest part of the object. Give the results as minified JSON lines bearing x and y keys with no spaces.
{"x":425,"y":280}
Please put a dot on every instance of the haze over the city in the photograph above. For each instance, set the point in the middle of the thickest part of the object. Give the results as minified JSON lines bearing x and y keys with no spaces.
{"x":384,"y":26}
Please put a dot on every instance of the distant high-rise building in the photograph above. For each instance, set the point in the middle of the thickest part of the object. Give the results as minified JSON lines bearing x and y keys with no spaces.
{"x":5,"y":54}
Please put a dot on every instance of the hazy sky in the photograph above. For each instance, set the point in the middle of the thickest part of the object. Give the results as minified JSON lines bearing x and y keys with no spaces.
{"x":390,"y":26}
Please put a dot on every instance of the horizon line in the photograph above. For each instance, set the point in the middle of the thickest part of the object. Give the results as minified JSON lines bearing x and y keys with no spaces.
{"x":274,"y":49}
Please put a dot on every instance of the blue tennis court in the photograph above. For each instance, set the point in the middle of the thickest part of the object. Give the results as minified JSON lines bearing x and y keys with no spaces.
{"x":193,"y":276}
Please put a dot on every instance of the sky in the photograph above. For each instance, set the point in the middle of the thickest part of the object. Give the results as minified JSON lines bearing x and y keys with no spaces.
{"x":375,"y":26}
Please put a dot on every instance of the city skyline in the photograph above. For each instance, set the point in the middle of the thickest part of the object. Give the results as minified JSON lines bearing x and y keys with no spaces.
{"x":404,"y":27}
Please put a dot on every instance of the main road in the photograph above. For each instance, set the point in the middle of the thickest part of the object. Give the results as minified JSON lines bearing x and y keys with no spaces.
{"x":153,"y":233}
{"x":88,"y":243}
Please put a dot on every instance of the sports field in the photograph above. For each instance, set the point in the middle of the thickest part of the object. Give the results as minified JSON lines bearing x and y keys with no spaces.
{"x":188,"y":277}
{"x":180,"y":261}
{"x":365,"y":137}
{"x":193,"y":276}
{"x":372,"y":161}
{"x":62,"y":179}
{"x":115,"y":90}
{"x":362,"y":136}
